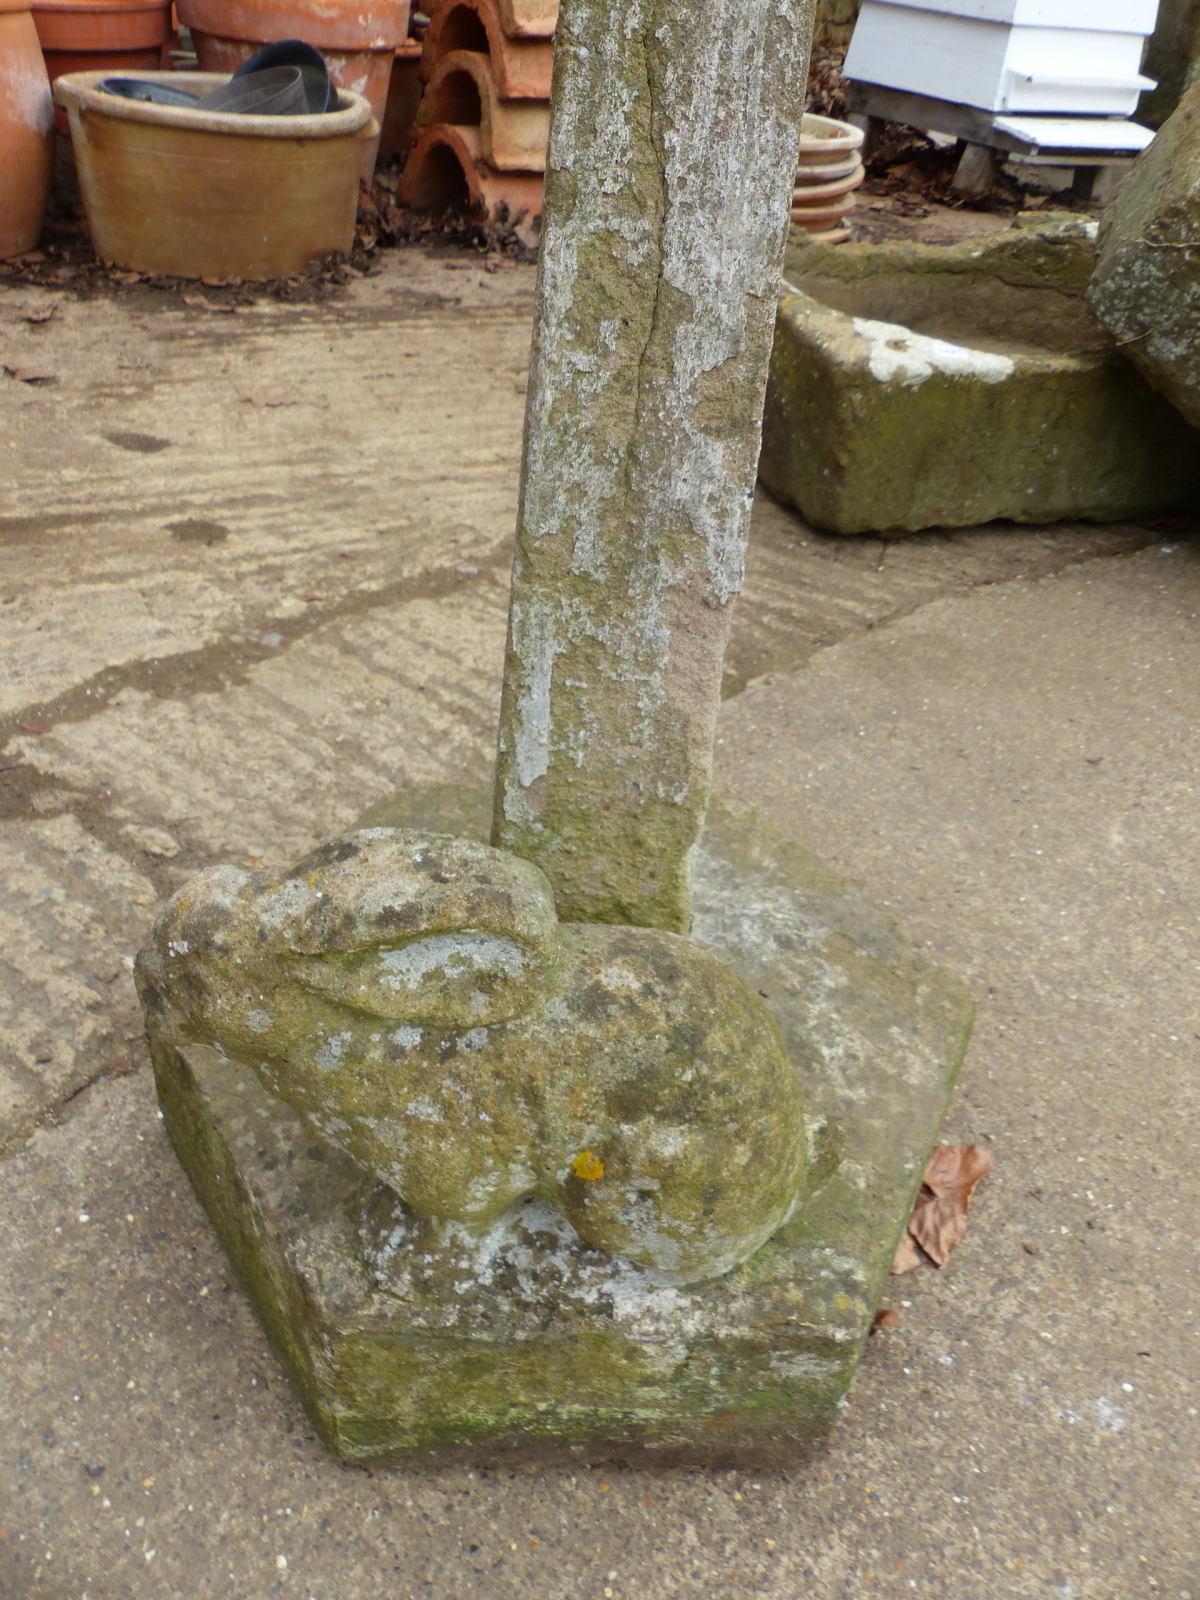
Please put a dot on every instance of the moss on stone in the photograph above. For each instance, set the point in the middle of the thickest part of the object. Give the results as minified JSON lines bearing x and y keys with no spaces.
{"x":882,"y":417}
{"x":413,"y":998}
{"x":668,"y":178}
{"x":530,"y":1342}
{"x":1146,"y":289}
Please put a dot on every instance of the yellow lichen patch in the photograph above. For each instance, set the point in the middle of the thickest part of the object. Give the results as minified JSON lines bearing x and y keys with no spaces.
{"x":587,"y":1166}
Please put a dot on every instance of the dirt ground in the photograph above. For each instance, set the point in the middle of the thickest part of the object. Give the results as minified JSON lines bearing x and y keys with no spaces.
{"x":254,"y":576}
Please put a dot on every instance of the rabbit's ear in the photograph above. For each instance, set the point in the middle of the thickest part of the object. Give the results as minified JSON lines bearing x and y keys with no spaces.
{"x":389,"y":886}
{"x":449,"y":980}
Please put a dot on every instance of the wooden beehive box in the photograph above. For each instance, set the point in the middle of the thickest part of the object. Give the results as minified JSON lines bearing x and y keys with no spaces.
{"x":1078,"y":57}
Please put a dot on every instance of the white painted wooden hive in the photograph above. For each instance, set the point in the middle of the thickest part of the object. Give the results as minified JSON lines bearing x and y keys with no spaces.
{"x":1078,"y":57}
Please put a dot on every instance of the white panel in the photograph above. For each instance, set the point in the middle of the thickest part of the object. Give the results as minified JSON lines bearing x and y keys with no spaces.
{"x":1078,"y":133}
{"x":1062,"y":69}
{"x":1063,"y":97}
{"x":1118,"y":16}
{"x":994,"y":66}
{"x":949,"y":58}
{"x":1066,"y":53}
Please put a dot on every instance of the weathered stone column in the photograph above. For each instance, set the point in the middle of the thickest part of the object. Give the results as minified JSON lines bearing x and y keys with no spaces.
{"x":672,"y":151}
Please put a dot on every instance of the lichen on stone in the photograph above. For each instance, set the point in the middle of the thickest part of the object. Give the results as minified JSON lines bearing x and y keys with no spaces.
{"x":414,"y":998}
{"x":668,"y":180}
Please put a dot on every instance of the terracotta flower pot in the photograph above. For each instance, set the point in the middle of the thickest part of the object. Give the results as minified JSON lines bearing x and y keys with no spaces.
{"x":828,"y":171}
{"x":522,"y":68}
{"x":447,"y":168}
{"x":120,"y":36}
{"x":26,"y":130}
{"x":358,"y":40}
{"x":75,"y":26}
{"x":194,"y":194}
{"x":819,"y":218}
{"x":404,"y":96}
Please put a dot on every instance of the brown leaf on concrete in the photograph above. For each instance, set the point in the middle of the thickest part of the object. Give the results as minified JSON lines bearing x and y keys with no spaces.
{"x":955,"y":1170}
{"x":30,"y":375}
{"x":939,"y":1218}
{"x":937,"y":1226}
{"x":908,"y":1257}
{"x":885,"y":1319}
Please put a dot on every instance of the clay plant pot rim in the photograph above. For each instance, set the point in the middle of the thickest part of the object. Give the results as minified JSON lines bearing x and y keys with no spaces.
{"x":812,"y":217}
{"x":82,"y":90}
{"x":815,"y":142}
{"x":827,"y":171}
{"x":14,"y":5}
{"x":815,"y":194}
{"x":89,"y":8}
{"x":365,"y":25}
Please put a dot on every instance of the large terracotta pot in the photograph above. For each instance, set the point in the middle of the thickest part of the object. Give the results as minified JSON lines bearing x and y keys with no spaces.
{"x":404,"y":96}
{"x":358,"y":39}
{"x":26,"y":130}
{"x":121,"y":36}
{"x":195,"y":194}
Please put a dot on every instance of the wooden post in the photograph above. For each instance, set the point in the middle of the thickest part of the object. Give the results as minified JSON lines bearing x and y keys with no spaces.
{"x":672,"y":153}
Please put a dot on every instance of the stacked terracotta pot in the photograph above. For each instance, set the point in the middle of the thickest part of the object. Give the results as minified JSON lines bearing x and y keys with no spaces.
{"x":101,"y":35}
{"x":358,"y":39}
{"x":829,"y":170}
{"x":480,"y":132}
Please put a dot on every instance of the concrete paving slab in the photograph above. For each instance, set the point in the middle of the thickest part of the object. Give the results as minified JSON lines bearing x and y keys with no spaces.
{"x":72,"y":916}
{"x":1031,"y":1427}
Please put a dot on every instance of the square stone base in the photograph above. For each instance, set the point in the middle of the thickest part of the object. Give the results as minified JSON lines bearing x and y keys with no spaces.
{"x":552,"y":1349}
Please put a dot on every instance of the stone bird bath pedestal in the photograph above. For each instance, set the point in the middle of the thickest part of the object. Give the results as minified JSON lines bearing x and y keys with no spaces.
{"x":597,"y":1139}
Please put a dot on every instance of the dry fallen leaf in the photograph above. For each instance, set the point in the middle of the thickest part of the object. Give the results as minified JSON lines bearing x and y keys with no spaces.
{"x":908,"y":1257}
{"x":885,"y":1319}
{"x":30,"y":375}
{"x":42,"y":314}
{"x":939,"y":1218}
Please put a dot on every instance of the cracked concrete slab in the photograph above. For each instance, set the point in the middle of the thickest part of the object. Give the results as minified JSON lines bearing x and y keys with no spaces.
{"x":269,"y":767}
{"x":1010,"y":772}
{"x":72,"y":917}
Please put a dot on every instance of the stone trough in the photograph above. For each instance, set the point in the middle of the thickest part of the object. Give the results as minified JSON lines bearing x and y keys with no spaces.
{"x":916,"y":386}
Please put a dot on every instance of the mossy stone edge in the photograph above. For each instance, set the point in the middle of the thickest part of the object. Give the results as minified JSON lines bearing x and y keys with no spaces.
{"x":747,"y":1369}
{"x":858,"y":447}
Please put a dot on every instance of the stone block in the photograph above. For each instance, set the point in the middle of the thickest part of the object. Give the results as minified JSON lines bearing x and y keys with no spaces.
{"x":916,"y":386}
{"x":1146,"y":289}
{"x":526,"y":1342}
